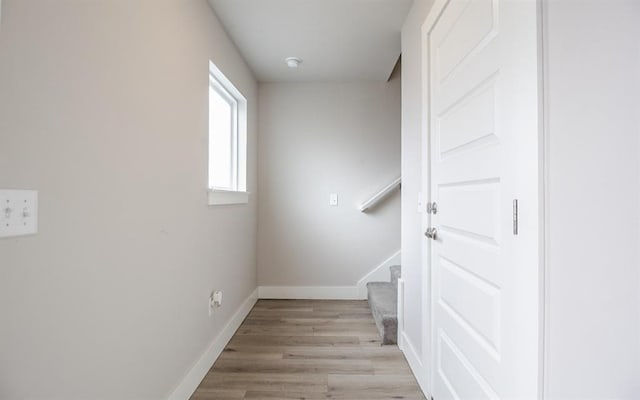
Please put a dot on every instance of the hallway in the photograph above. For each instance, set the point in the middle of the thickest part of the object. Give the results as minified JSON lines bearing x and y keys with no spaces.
{"x":309,"y":349}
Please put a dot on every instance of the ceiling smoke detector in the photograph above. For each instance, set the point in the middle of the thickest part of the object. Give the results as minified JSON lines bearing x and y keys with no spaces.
{"x":293,"y":62}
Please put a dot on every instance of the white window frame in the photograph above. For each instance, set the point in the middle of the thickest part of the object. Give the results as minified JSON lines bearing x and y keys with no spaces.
{"x":237,"y":194}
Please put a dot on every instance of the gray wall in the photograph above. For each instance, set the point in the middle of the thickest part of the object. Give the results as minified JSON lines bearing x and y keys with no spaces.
{"x":340,"y":138}
{"x":593,"y":93}
{"x":103,"y":109}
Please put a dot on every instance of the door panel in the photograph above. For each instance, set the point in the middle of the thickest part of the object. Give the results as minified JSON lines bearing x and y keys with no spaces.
{"x":472,"y":299}
{"x":478,"y":258}
{"x":480,"y":352}
{"x":477,"y":207}
{"x":480,"y":105}
{"x":474,"y":167}
{"x":469,"y":123}
{"x":459,"y":379}
{"x":456,"y":40}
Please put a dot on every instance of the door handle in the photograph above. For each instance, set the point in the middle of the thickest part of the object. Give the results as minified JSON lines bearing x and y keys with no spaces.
{"x":431,"y":233}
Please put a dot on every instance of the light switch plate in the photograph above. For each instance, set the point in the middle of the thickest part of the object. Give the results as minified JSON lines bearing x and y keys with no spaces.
{"x":18,"y":212}
{"x":333,"y":199}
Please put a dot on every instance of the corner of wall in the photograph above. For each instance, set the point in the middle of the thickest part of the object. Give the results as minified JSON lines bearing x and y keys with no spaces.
{"x":192,"y":379}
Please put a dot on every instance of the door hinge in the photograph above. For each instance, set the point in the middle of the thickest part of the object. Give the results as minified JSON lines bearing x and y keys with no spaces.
{"x":432,"y":208}
{"x":515,"y":217}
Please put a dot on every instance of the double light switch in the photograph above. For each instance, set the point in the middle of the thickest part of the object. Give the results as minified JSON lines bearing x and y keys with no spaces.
{"x":18,"y":212}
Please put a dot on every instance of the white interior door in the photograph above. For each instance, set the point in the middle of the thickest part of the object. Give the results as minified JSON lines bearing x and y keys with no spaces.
{"x":482,"y":97}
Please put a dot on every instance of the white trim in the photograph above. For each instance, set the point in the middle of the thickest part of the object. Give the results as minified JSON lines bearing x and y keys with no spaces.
{"x":545,"y":219}
{"x":309,"y":292}
{"x":225,"y":82}
{"x":227,"y":197}
{"x":190,"y":382}
{"x":379,"y":273}
{"x":414,"y":363}
{"x":424,"y":372}
{"x":357,"y":292}
{"x":239,"y":155}
{"x":434,"y":14}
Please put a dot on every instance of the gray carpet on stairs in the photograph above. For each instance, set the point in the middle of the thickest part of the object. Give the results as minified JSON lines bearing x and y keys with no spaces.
{"x":383,"y":301}
{"x":395,"y":275}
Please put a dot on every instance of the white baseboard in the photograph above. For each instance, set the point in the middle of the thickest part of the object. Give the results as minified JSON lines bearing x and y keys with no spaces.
{"x":415,"y":363}
{"x":193,"y":378}
{"x":309,"y":292}
{"x":378,"y":274}
{"x":357,"y":292}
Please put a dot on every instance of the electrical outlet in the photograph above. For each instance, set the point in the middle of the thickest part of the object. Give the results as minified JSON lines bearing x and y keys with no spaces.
{"x":210,"y":303}
{"x":215,"y":300}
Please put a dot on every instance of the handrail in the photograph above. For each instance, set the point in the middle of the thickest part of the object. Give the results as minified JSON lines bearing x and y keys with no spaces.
{"x":376,"y":198}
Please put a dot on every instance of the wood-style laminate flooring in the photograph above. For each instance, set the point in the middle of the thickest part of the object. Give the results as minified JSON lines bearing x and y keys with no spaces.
{"x":309,"y":349}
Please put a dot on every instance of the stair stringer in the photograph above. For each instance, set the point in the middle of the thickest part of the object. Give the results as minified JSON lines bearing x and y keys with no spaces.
{"x":378,"y":274}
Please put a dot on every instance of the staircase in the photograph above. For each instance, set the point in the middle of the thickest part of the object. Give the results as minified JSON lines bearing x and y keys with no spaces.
{"x":383,"y":300}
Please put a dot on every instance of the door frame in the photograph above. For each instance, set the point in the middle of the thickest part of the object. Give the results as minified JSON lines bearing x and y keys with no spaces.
{"x":543,"y":199}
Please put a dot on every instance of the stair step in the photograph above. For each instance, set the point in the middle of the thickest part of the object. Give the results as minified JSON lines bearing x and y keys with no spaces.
{"x":396,"y":273}
{"x":383,"y":300}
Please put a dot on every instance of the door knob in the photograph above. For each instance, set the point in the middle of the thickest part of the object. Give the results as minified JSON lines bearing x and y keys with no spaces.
{"x":431,"y":233}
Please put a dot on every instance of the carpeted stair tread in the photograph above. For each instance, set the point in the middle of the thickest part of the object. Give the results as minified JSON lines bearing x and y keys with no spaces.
{"x":396,"y":273}
{"x":383,"y":300}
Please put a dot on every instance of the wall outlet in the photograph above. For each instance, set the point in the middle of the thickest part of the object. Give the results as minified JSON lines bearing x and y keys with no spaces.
{"x":215,"y":300}
{"x":210,"y":303}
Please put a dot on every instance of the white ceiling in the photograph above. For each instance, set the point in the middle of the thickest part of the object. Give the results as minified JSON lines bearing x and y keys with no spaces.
{"x":338,"y":40}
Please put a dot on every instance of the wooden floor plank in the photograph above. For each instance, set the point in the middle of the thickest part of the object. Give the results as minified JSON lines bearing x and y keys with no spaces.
{"x":309,"y":349}
{"x":276,"y":330}
{"x":322,"y":341}
{"x":382,"y":385}
{"x":296,"y":366}
{"x":373,"y":353}
{"x":266,"y":382}
{"x":218,"y":394}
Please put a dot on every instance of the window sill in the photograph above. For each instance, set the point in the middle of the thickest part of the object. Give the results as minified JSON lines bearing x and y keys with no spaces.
{"x":227,"y":197}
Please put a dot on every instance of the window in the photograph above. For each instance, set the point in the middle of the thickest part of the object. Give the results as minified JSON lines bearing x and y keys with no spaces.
{"x":227,"y":141}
